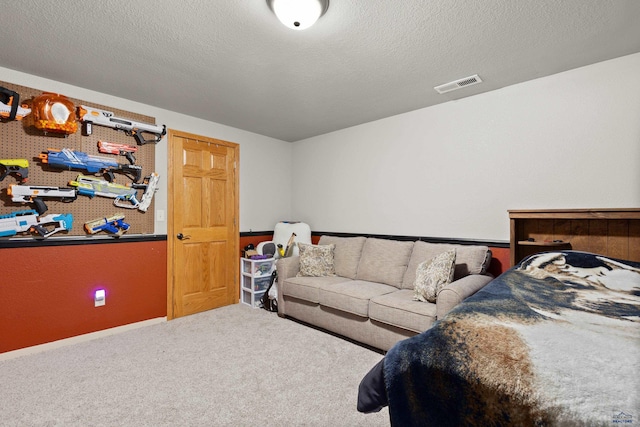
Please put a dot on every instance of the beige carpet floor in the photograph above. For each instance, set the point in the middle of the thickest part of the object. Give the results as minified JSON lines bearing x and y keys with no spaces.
{"x":233,"y":366}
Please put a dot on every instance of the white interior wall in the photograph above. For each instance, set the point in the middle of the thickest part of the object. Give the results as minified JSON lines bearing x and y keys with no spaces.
{"x":571,"y":140}
{"x":265,"y":177}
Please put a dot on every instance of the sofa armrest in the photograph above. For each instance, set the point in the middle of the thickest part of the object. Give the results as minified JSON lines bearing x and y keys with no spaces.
{"x":456,"y":292}
{"x":286,"y":267}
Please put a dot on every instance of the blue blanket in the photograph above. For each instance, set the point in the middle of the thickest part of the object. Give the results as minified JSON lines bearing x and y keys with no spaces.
{"x":552,"y":341}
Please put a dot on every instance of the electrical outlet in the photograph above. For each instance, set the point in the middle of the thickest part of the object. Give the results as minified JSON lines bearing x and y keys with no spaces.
{"x":100,"y":298}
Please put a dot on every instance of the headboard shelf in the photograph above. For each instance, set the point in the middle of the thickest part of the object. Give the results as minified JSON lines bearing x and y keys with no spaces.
{"x":609,"y":232}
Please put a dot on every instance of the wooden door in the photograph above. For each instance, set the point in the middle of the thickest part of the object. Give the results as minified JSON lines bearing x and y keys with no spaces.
{"x":203,"y":238}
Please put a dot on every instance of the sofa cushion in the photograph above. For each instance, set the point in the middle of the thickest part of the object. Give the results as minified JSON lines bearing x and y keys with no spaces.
{"x":470,"y":259}
{"x":384,"y":261}
{"x":346,"y":254}
{"x":433,"y":275}
{"x":399,"y":309}
{"x":352,"y":296}
{"x":316,"y":260}
{"x":307,"y":288}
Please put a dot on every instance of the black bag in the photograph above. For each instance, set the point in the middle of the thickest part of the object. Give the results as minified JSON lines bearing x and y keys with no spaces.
{"x":270,"y":304}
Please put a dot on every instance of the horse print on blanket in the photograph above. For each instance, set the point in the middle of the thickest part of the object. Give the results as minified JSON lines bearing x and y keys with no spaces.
{"x":554,"y":341}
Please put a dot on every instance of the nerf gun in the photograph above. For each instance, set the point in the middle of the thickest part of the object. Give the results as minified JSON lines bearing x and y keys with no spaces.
{"x":71,"y":159}
{"x":90,"y":115}
{"x":10,"y":107}
{"x":114,"y":225}
{"x":19,"y":167}
{"x":28,"y":221}
{"x":121,"y":149}
{"x":125,"y":196}
{"x":150,"y":186}
{"x":35,"y":193}
{"x":92,"y":186}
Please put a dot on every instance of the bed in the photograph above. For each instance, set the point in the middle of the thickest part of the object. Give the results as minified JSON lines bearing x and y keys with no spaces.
{"x":555,"y":340}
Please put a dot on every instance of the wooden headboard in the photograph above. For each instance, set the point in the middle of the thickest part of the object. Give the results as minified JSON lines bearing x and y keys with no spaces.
{"x":611,"y":232}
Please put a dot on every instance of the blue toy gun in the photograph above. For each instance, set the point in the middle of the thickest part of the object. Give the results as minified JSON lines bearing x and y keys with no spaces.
{"x":71,"y":159}
{"x":114,"y":225}
{"x":28,"y":221}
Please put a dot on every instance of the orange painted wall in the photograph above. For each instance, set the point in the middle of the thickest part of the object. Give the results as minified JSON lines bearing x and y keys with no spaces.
{"x":245,"y":240}
{"x":499,"y":260}
{"x":46,"y":293}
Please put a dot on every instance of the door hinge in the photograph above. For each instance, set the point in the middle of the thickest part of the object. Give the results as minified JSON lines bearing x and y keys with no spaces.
{"x":234,"y":165}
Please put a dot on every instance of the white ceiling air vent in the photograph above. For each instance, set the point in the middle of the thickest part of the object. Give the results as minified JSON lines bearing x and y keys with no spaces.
{"x":459,"y":84}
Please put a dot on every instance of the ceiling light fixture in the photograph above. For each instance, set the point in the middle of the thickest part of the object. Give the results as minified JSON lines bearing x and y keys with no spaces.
{"x":298,"y":14}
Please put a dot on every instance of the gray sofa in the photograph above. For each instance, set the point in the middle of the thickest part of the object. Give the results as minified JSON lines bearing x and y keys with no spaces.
{"x":370,"y":299}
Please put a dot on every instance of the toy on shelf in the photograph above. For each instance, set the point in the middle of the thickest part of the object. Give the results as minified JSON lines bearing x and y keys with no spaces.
{"x":28,"y":221}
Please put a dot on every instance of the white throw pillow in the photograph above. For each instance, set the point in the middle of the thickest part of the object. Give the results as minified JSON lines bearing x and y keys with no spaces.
{"x":433,"y":275}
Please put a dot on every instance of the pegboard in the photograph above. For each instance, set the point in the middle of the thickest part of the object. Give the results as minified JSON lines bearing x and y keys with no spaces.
{"x":20,"y":139}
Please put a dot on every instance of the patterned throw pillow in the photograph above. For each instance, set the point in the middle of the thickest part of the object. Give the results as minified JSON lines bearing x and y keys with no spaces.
{"x":316,"y":260}
{"x":433,"y":275}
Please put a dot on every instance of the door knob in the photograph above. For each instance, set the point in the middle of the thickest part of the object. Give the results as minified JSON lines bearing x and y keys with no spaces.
{"x":181,"y":236}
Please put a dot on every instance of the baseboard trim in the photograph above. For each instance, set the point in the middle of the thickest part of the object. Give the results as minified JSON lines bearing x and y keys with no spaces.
{"x":78,"y":339}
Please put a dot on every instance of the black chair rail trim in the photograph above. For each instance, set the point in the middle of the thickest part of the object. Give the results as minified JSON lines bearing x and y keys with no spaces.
{"x":458,"y":241}
{"x":69,"y":241}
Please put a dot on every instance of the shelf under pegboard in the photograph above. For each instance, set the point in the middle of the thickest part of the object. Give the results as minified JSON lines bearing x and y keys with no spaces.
{"x":20,"y":139}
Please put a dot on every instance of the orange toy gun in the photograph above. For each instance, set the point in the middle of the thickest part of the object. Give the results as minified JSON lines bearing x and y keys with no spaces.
{"x":10,"y":107}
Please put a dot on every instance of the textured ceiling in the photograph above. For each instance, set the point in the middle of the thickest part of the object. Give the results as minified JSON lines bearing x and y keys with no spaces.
{"x":232,"y":62}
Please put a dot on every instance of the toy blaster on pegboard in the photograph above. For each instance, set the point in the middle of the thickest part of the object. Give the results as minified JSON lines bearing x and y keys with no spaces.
{"x":78,"y":160}
{"x":113,"y":225}
{"x":10,"y":108}
{"x":90,"y":116}
{"x":54,"y":113}
{"x":47,"y":124}
{"x":17,"y":167}
{"x":28,"y":221}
